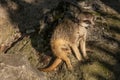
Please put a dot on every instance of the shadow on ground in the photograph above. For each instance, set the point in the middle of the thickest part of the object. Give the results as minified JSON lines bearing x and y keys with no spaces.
{"x":106,"y":54}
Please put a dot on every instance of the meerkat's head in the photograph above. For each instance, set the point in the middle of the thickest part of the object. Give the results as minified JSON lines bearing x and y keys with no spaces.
{"x":87,"y":19}
{"x":85,"y":23}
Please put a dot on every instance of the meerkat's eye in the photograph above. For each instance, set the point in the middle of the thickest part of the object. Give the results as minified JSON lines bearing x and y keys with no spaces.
{"x":87,"y":21}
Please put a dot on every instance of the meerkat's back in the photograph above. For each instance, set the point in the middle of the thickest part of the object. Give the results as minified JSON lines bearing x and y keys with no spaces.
{"x":68,"y":31}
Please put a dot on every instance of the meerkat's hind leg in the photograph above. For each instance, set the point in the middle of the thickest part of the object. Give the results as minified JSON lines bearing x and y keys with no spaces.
{"x":67,"y":61}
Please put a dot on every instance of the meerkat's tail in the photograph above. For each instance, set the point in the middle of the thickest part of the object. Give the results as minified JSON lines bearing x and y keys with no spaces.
{"x":53,"y":66}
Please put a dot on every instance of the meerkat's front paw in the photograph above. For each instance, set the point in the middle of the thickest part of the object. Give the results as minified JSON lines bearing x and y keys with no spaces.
{"x":86,"y":57}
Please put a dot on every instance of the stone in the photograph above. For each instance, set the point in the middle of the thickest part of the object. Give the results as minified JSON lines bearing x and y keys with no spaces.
{"x":17,"y":67}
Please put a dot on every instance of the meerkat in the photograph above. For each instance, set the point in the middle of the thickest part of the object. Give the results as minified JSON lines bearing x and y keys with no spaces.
{"x":66,"y":36}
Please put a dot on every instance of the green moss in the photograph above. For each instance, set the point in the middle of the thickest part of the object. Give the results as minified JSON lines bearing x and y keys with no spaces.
{"x":113,"y":22}
{"x":95,"y":70}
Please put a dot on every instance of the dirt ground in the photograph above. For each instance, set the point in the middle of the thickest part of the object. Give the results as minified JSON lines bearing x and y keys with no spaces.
{"x":103,"y":40}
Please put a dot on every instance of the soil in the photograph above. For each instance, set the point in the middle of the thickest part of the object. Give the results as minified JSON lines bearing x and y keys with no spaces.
{"x":27,"y":18}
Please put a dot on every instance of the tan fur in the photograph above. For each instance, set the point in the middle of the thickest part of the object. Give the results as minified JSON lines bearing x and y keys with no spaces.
{"x":67,"y":36}
{"x":53,"y":66}
{"x":87,"y":16}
